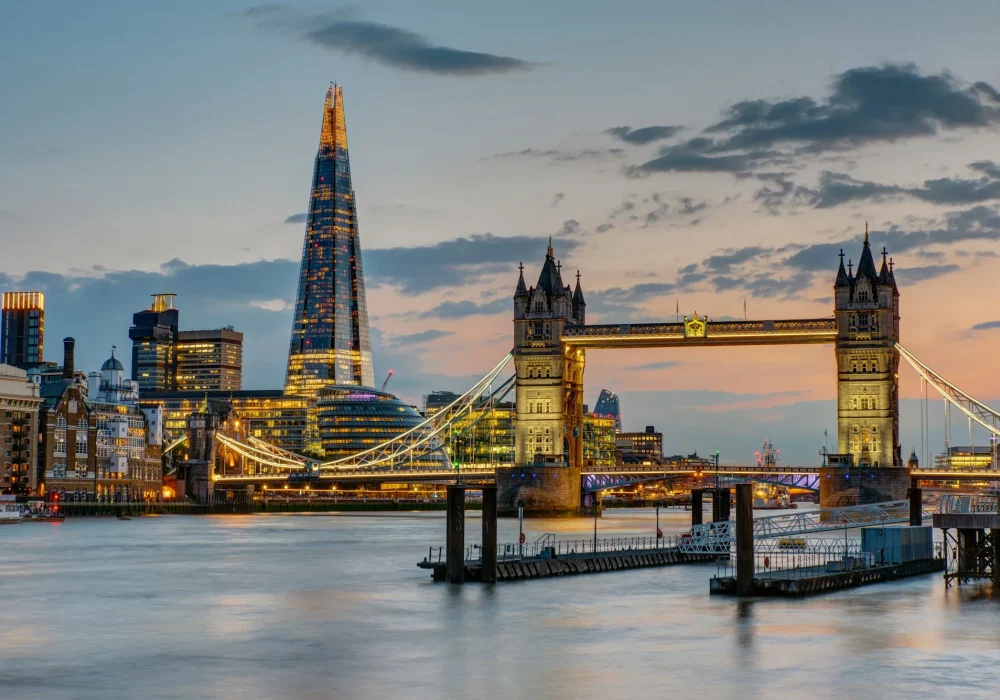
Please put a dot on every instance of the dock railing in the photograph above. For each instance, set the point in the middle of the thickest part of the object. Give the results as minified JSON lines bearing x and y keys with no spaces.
{"x":976,"y":503}
{"x":547,"y":547}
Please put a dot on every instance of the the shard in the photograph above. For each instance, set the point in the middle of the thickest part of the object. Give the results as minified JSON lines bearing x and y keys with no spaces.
{"x":330,"y":339}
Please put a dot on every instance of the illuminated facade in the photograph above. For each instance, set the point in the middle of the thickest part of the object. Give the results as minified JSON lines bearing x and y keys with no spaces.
{"x":99,"y":445}
{"x":484,"y":436}
{"x":607,"y":407}
{"x":209,"y":360}
{"x":968,"y":458}
{"x":866,"y":305}
{"x":288,"y":422}
{"x":22,"y":329}
{"x":599,"y":440}
{"x":330,"y":342}
{"x":154,"y":336}
{"x":642,"y":447}
{"x":352,"y":419}
{"x":19,"y":402}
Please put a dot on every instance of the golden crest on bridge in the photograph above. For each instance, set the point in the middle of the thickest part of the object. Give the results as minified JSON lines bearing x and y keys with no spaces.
{"x":695,"y":327}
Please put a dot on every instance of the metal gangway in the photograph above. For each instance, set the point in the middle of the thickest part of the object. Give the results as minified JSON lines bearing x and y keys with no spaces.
{"x":720,"y":537}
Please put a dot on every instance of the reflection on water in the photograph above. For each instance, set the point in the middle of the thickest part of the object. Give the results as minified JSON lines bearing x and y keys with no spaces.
{"x":333,"y":606}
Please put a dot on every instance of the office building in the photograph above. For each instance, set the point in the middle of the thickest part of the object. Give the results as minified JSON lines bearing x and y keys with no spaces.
{"x":646,"y":446}
{"x":968,"y":458}
{"x":287,"y":422}
{"x":209,"y":360}
{"x":599,"y":445}
{"x":22,"y":329}
{"x":330,"y":341}
{"x":154,"y":336}
{"x":167,"y":359}
{"x":607,"y":407}
{"x":19,"y":402}
{"x":437,"y":400}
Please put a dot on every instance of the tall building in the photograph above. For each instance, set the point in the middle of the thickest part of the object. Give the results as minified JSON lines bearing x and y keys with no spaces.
{"x":866,"y":304}
{"x":599,"y":448}
{"x":330,"y":343}
{"x":438,"y":400}
{"x":607,"y":407}
{"x":154,"y":336}
{"x":19,"y":401}
{"x":22,"y":329}
{"x":540,"y":315}
{"x":167,"y":359}
{"x":210,"y":360}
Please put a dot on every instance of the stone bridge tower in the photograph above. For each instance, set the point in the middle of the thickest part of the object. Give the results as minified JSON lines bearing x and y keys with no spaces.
{"x":548,"y":436}
{"x":867,"y":310}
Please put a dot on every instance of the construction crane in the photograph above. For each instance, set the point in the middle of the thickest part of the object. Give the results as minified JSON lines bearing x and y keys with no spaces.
{"x":386,"y":382}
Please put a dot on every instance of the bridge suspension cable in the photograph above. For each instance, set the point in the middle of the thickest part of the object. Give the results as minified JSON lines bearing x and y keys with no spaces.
{"x":427,"y":437}
{"x":976,"y":410}
{"x":423,"y":439}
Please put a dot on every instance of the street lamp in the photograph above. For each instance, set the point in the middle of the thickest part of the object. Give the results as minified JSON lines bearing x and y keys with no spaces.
{"x":716,"y":470}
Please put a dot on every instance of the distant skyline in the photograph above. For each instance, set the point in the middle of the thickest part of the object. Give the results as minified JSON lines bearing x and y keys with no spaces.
{"x":687,"y":155}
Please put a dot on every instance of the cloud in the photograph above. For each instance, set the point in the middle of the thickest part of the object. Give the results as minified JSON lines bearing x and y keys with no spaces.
{"x":913,"y":275}
{"x":558,"y":155}
{"x":836,"y":189}
{"x":556,"y":198}
{"x":383,"y":44}
{"x":655,"y":365}
{"x":465,"y":308}
{"x":418,"y":338}
{"x":570,"y":227}
{"x":723,"y":262}
{"x":297,"y":218}
{"x":866,"y":105}
{"x":986,"y":326}
{"x":643,"y":135}
{"x":418,"y":269}
{"x":271,"y":305}
{"x":604,"y":228}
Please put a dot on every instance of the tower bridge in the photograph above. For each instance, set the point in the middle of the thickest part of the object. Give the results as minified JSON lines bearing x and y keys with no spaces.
{"x":551,"y":339}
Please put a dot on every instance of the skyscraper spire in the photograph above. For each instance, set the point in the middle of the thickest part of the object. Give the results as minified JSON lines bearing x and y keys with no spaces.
{"x":330,"y":338}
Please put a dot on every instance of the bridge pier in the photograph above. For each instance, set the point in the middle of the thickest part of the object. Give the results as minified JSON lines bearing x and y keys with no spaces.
{"x":720,"y":505}
{"x":697,"y":514}
{"x":744,"y":539}
{"x":916,"y":496}
{"x":455,"y":541}
{"x":489,"y":573}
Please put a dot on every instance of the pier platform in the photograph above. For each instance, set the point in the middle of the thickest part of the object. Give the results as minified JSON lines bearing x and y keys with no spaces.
{"x":798,"y":583}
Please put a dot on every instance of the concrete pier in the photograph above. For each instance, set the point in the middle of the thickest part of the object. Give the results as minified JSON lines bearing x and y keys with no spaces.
{"x":455,"y":543}
{"x":916,"y":496}
{"x":744,"y":539}
{"x":720,"y":505}
{"x":489,"y":571}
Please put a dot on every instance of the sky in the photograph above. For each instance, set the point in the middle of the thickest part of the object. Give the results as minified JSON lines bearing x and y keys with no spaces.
{"x":681,"y":155}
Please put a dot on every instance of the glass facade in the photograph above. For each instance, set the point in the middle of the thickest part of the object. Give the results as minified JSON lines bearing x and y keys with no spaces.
{"x":607,"y":407}
{"x":22,"y":329}
{"x":598,"y":441}
{"x":484,"y":437}
{"x":210,"y":360}
{"x":154,"y":336}
{"x":287,"y":422}
{"x":352,"y":419}
{"x":330,"y":342}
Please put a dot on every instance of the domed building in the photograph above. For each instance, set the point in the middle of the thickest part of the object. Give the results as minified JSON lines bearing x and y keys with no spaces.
{"x":354,"y":418}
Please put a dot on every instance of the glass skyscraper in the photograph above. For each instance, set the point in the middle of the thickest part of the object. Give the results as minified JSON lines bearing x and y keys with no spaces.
{"x":607,"y":407}
{"x":330,"y":341}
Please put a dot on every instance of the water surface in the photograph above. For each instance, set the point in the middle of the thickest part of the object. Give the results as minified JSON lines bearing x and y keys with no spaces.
{"x":333,"y":606}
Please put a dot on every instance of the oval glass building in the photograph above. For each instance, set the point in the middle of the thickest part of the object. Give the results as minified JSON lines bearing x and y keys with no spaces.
{"x":356,"y":418}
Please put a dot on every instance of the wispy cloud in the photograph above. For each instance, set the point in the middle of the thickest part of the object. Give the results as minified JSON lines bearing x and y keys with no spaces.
{"x":386,"y":45}
{"x":643,"y":135}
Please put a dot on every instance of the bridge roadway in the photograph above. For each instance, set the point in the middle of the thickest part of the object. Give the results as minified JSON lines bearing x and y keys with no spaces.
{"x":600,"y":477}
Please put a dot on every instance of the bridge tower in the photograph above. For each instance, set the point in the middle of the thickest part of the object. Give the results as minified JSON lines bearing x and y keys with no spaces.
{"x":548,"y":418}
{"x":866,"y":304}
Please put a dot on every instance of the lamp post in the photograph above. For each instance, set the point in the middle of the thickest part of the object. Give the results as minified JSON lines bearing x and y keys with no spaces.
{"x":716,"y":470}
{"x":597,"y":495}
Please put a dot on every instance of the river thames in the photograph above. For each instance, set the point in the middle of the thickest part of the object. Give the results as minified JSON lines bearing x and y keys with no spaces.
{"x":333,"y":606}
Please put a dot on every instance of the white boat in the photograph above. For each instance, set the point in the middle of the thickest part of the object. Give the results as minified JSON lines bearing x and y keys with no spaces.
{"x":11,"y":513}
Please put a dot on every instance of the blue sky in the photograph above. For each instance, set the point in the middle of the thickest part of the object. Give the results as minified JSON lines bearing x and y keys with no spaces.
{"x":161,"y":147}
